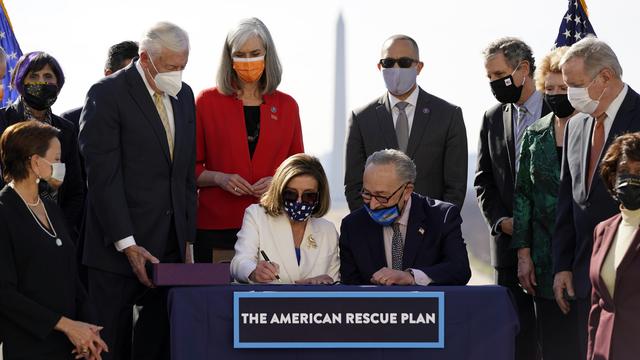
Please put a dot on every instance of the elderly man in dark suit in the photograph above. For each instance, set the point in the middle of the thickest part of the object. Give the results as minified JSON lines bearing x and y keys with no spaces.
{"x":399,"y":237}
{"x":510,"y":66}
{"x":137,"y":137}
{"x":428,"y":129}
{"x":609,"y":108}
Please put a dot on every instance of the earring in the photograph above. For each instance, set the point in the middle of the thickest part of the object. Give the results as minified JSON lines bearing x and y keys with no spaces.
{"x":38,"y":180}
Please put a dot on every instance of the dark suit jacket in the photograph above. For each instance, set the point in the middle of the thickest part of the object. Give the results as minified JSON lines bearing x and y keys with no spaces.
{"x":613,"y":322}
{"x":437,"y":145}
{"x":134,"y":187}
{"x":433,"y":244}
{"x":71,"y":193}
{"x":73,"y":116}
{"x":38,"y":282}
{"x":578,"y":210}
{"x":495,"y":178}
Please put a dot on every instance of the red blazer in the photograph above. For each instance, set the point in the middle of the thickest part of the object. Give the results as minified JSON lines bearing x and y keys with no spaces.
{"x":614,"y":324}
{"x":221,"y":145}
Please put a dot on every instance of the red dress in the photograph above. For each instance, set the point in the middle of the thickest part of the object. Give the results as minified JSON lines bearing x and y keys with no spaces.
{"x":221,"y":145}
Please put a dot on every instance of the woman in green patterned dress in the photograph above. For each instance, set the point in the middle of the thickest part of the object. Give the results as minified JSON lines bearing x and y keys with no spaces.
{"x":535,"y":201}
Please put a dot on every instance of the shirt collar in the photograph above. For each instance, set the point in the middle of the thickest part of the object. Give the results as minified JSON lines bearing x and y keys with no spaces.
{"x":404,"y":217}
{"x":533,"y":102}
{"x":412,"y":99}
{"x":146,"y":83}
{"x":613,"y":108}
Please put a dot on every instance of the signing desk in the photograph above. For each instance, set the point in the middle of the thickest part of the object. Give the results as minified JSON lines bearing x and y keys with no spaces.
{"x":480,"y":323}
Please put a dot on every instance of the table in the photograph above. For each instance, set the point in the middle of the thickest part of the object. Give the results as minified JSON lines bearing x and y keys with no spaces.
{"x":480,"y":323}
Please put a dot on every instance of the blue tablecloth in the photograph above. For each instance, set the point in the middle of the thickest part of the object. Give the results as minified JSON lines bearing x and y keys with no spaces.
{"x":480,"y":323}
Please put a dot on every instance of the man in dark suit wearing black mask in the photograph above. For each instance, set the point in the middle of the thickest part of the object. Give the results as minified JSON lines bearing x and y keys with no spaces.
{"x":510,"y":65}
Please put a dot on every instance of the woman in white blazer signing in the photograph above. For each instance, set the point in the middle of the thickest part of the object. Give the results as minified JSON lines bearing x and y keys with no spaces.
{"x":287,"y":228}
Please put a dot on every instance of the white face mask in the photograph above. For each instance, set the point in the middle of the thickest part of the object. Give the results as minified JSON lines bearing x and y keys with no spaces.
{"x":580,"y":99}
{"x":168,"y":82}
{"x":58,"y":170}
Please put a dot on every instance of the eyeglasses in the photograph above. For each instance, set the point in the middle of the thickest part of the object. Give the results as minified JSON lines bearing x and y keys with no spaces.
{"x":366,"y":196}
{"x":307,"y":197}
{"x":403,"y":62}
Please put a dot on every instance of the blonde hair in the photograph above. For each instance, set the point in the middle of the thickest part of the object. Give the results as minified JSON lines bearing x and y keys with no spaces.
{"x":550,"y":64}
{"x":293,"y":166}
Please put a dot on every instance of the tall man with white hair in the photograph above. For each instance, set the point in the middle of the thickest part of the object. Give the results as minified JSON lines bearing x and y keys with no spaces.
{"x":609,"y":108}
{"x":137,"y":135}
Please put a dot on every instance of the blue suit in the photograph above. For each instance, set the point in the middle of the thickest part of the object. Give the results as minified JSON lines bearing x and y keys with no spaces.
{"x":433,"y":244}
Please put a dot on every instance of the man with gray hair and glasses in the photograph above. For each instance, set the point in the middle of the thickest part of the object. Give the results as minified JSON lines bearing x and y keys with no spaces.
{"x":509,"y":66}
{"x":137,"y":135}
{"x":608,"y":107}
{"x":399,"y":237}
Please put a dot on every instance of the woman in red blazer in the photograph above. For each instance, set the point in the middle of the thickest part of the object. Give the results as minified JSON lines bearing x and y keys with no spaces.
{"x":614,"y":321}
{"x":244,"y":129}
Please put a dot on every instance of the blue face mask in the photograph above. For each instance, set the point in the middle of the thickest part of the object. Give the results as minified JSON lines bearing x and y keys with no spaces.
{"x":299,"y":211}
{"x":384,"y":216}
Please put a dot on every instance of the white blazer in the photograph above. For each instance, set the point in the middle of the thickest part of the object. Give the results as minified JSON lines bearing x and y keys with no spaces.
{"x":318,"y":251}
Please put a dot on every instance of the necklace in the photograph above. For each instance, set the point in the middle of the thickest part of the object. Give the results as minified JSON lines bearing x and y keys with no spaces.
{"x":35,"y":218}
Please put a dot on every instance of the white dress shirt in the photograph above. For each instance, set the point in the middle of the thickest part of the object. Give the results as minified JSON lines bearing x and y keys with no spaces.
{"x":387,"y":232}
{"x":410,"y":110}
{"x":129,"y":240}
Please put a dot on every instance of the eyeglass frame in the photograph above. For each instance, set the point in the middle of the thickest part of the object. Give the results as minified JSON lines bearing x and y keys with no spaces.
{"x":397,"y":61}
{"x":385,"y":199}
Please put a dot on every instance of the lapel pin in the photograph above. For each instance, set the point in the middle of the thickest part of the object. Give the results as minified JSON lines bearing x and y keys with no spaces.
{"x":426,"y":111}
{"x":273,"y":109}
{"x":311,"y":242}
{"x":421,"y":231}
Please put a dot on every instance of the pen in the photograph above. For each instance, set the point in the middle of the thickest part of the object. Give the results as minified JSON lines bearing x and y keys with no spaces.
{"x":266,"y":258}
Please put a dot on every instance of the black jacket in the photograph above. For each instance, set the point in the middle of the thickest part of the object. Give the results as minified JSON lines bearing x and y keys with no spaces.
{"x":134,"y":187}
{"x":38,"y":282}
{"x":71,"y":193}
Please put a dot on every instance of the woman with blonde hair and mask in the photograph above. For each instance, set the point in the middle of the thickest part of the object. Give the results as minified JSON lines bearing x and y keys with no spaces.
{"x":244,"y":129}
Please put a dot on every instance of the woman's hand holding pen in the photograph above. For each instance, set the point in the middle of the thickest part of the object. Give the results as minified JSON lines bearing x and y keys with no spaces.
{"x":265,"y":272}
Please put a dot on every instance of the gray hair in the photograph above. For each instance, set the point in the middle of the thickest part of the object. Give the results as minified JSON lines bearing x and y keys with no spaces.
{"x":227,"y":79}
{"x":164,"y":35}
{"x":405,"y":168}
{"x":393,"y":38}
{"x":597,"y":55}
{"x":514,"y":50}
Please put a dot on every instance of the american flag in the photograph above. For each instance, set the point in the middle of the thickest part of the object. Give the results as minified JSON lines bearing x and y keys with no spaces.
{"x":575,"y":24}
{"x":10,"y":45}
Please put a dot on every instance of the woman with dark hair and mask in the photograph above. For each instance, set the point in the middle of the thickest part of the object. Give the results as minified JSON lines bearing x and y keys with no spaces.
{"x":38,"y":79}
{"x":615,"y":261}
{"x":43,"y":305}
{"x":534,"y":208}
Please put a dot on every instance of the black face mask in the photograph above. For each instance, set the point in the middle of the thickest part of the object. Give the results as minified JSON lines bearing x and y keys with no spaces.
{"x":505,"y":90}
{"x":628,"y":191}
{"x":40,"y":96}
{"x":559,"y":104}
